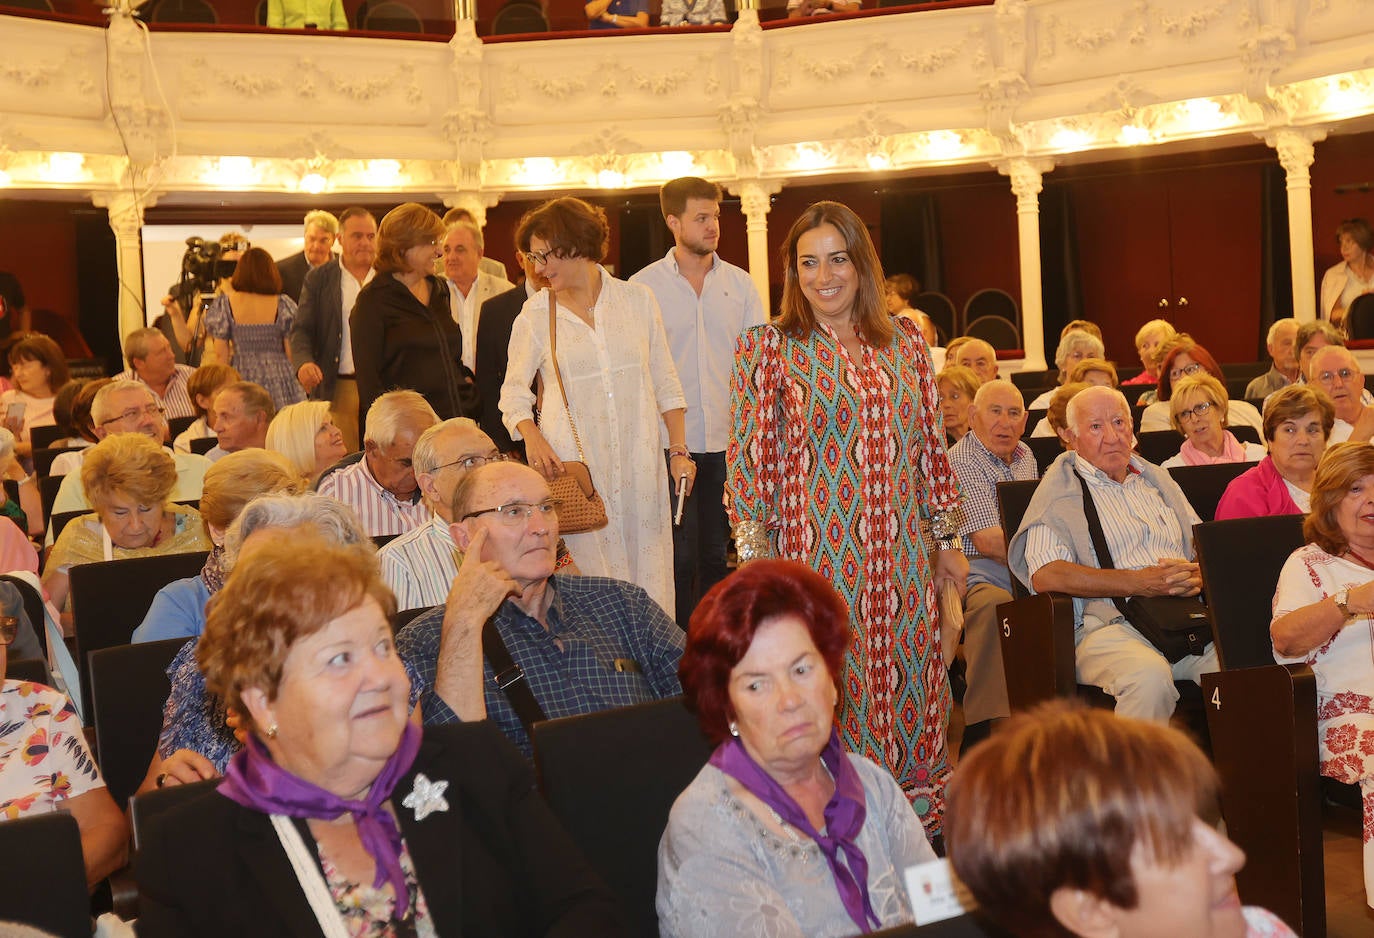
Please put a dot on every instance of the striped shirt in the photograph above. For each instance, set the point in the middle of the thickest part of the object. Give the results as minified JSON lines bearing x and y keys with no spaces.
{"x":420,"y":566}
{"x":176,"y":400}
{"x":380,"y":511}
{"x":979,"y":471}
{"x":1139,"y":526}
{"x":618,"y":648}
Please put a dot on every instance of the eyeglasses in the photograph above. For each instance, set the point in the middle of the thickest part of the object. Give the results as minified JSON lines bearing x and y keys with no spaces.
{"x":517,"y":513}
{"x":471,"y":462}
{"x":9,"y":629}
{"x":133,"y":413}
{"x":538,"y":258}
{"x":1185,"y":371}
{"x":1201,"y":410}
{"x":1345,"y":374}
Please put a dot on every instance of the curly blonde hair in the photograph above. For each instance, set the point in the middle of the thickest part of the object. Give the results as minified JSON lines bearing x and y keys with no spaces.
{"x":127,"y":464}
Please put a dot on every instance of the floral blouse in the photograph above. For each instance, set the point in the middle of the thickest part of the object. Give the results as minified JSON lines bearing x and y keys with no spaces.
{"x":367,"y":912}
{"x":43,"y":755}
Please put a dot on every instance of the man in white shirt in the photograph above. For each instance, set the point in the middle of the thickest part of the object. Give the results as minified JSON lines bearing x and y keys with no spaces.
{"x":321,"y":344}
{"x":1337,"y":372}
{"x":381,"y":487}
{"x":706,"y":303}
{"x":469,"y":286}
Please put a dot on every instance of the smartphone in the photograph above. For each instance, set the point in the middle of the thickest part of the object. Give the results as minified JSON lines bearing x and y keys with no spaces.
{"x":15,"y":413}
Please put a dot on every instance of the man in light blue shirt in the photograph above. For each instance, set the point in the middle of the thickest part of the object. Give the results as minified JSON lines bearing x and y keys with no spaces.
{"x":706,"y":303}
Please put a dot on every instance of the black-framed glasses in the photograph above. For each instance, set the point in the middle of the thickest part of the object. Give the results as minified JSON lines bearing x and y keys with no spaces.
{"x":538,"y":258}
{"x":1185,"y":371}
{"x":1198,"y":411}
{"x":133,"y":413}
{"x":9,"y":629}
{"x":517,"y":513}
{"x":472,"y":462}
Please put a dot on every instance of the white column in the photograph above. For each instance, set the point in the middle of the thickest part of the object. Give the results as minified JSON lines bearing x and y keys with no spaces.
{"x":126,"y":220}
{"x":754,"y":201}
{"x":1026,"y":177}
{"x":1296,"y":155}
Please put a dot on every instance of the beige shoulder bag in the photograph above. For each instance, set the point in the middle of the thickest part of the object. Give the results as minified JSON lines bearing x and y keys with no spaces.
{"x":580,"y":508}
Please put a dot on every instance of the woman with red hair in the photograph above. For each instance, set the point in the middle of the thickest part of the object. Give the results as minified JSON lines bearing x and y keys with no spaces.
{"x":1184,"y":357}
{"x":782,"y":825}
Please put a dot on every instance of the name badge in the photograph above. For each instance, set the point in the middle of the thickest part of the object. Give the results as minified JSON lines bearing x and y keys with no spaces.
{"x":935,"y":893}
{"x":627,"y":666}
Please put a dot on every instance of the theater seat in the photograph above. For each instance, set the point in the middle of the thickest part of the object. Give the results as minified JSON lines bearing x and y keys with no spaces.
{"x":42,"y":876}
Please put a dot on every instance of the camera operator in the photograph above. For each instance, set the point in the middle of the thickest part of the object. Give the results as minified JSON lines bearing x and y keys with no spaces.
{"x":206,"y":267}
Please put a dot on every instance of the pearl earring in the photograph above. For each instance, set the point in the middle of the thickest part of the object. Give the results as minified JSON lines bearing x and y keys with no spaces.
{"x":734,"y":728}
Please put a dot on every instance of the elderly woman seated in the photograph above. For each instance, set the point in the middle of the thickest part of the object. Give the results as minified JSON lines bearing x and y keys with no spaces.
{"x":198,"y":733}
{"x":127,"y":478}
{"x":1090,"y":372}
{"x":1324,"y":616}
{"x":340,"y":816}
{"x":1148,"y":339}
{"x":305,"y":434}
{"x":45,"y":766}
{"x":1183,"y":358}
{"x":1297,"y":423}
{"x":1074,"y":346}
{"x":957,"y":386}
{"x":1075,"y":821}
{"x":782,"y":825}
{"x":1198,"y":408}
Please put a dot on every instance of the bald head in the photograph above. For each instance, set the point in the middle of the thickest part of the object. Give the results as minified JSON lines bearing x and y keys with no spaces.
{"x":1335,"y":371}
{"x":998,"y":418}
{"x":979,"y":357}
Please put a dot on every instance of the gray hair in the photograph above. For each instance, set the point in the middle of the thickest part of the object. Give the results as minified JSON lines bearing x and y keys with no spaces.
{"x":394,"y":410}
{"x":425,"y":457}
{"x":466,"y":225}
{"x":1076,"y":339}
{"x":136,"y":343}
{"x":100,"y":404}
{"x":1272,"y":336}
{"x":322,"y":220}
{"x":329,"y":517}
{"x":998,"y":384}
{"x":1076,"y":404}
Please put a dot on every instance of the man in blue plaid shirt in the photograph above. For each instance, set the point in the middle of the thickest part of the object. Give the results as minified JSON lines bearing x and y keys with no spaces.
{"x":583,"y":643}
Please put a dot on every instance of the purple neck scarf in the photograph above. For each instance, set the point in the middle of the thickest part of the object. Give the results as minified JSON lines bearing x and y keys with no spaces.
{"x":844,"y":818}
{"x":256,"y":782}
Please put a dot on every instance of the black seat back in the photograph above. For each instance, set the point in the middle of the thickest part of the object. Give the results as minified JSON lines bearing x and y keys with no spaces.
{"x":1046,"y":450}
{"x":1204,"y":485}
{"x":1158,"y":445}
{"x":1013,"y":498}
{"x":145,"y":809}
{"x":1241,"y":559}
{"x":110,"y":599}
{"x":29,"y":669}
{"x":129,"y":686}
{"x":629,"y":764}
{"x":43,"y":875}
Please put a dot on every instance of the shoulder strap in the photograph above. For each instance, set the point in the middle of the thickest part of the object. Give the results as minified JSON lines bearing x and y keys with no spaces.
{"x":510,"y":678}
{"x":1104,"y":554}
{"x":558,"y":372}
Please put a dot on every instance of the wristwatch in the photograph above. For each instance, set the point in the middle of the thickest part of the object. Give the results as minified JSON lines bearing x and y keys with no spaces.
{"x":1341,"y":598}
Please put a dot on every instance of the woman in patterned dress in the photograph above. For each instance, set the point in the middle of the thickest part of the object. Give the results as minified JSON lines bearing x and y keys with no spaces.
{"x":1324,"y":617}
{"x":837,"y":459}
{"x":250,"y":323}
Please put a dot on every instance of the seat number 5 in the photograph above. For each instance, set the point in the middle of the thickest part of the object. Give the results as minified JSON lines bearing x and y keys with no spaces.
{"x":1006,"y":628}
{"x":1216,"y":697}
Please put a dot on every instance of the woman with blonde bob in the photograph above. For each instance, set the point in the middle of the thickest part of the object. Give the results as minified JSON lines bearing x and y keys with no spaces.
{"x":1198,"y":408}
{"x":1324,"y":617}
{"x":1072,"y":821}
{"x":305,"y":435}
{"x":403,"y":333}
{"x":127,"y":479}
{"x":1148,"y":339}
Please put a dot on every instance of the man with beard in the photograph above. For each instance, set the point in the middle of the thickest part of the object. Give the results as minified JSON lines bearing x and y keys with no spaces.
{"x":706,"y":303}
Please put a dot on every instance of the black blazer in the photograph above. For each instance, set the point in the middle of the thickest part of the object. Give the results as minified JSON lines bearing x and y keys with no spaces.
{"x":493,"y":353}
{"x":317,"y":332}
{"x":293,"y":270}
{"x":495,"y":863}
{"x":399,"y":343}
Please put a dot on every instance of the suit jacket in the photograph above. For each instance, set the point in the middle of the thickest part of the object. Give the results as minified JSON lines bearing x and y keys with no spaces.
{"x":493,"y":352}
{"x":495,"y":863}
{"x":317,"y":331}
{"x":293,"y":270}
{"x":487,"y":287}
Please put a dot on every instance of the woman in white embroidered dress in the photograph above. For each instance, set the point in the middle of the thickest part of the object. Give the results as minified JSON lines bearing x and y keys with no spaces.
{"x":1324,"y":616}
{"x":622,"y":388}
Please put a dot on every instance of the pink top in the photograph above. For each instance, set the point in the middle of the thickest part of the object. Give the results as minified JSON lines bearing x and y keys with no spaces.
{"x":1256,"y":493}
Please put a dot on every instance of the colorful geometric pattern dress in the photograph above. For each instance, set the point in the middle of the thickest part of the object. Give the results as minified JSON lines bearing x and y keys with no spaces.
{"x":841,"y":460}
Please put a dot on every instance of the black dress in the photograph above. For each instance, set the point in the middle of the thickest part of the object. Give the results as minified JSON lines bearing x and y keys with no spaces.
{"x":400,"y":343}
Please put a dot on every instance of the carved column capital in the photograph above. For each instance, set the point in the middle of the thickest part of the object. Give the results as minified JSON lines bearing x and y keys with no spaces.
{"x":1027,"y":179}
{"x":125,"y":211}
{"x":1295,"y":146}
{"x":755,"y":196}
{"x":474,"y":201}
